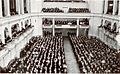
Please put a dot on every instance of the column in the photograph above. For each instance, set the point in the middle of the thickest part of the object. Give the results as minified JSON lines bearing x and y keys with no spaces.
{"x":10,"y":30}
{"x":1,"y":8}
{"x":78,"y":27}
{"x":28,"y":21}
{"x":85,"y":31}
{"x":114,"y":6}
{"x":20,"y":26}
{"x":102,"y":31}
{"x":106,"y":6}
{"x":7,"y":7}
{"x":112,"y":23}
{"x":18,"y":6}
{"x":23,"y":24}
{"x":53,"y":28}
{"x":22,"y":6}
{"x":119,"y":9}
{"x":41,"y":28}
{"x":2,"y":35}
{"x":117,"y":27}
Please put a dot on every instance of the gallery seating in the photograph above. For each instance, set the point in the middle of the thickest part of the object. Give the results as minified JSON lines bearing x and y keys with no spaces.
{"x":52,"y":10}
{"x":65,"y":22}
{"x":84,"y":22}
{"x":47,"y":22}
{"x":78,"y":10}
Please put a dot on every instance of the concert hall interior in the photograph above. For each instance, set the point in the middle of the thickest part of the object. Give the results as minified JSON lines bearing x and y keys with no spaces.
{"x":60,"y":36}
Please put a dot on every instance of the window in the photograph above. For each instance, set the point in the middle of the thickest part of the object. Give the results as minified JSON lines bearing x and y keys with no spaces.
{"x":110,"y":7}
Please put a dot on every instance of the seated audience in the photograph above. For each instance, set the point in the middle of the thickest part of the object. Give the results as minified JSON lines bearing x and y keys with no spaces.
{"x":47,"y":22}
{"x":41,"y":55}
{"x":94,"y":56}
{"x":66,"y":22}
{"x":78,"y":10}
{"x":84,"y":22}
{"x":52,"y":10}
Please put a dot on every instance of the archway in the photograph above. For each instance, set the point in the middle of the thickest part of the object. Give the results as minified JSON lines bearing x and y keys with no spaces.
{"x":107,"y":25}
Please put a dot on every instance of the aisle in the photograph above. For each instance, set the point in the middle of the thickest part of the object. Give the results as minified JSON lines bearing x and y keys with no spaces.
{"x":70,"y":58}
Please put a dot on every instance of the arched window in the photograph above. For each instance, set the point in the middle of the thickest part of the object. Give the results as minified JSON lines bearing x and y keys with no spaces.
{"x":13,"y":7}
{"x":110,"y":7}
{"x":103,"y":6}
{"x":25,"y":6}
{"x":107,"y":25}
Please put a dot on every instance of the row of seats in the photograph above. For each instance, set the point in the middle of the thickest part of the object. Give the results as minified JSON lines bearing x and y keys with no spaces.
{"x":41,"y":55}
{"x":93,"y":56}
{"x":52,"y":10}
{"x":79,"y":10}
{"x":64,"y":1}
{"x":47,"y":33}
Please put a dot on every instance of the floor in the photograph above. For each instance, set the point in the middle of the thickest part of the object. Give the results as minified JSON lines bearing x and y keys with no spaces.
{"x":70,"y":58}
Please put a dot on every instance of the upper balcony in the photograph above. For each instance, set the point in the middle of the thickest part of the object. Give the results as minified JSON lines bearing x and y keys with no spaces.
{"x":12,"y":19}
{"x":64,"y":1}
{"x":65,"y":5}
{"x":70,"y":10}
